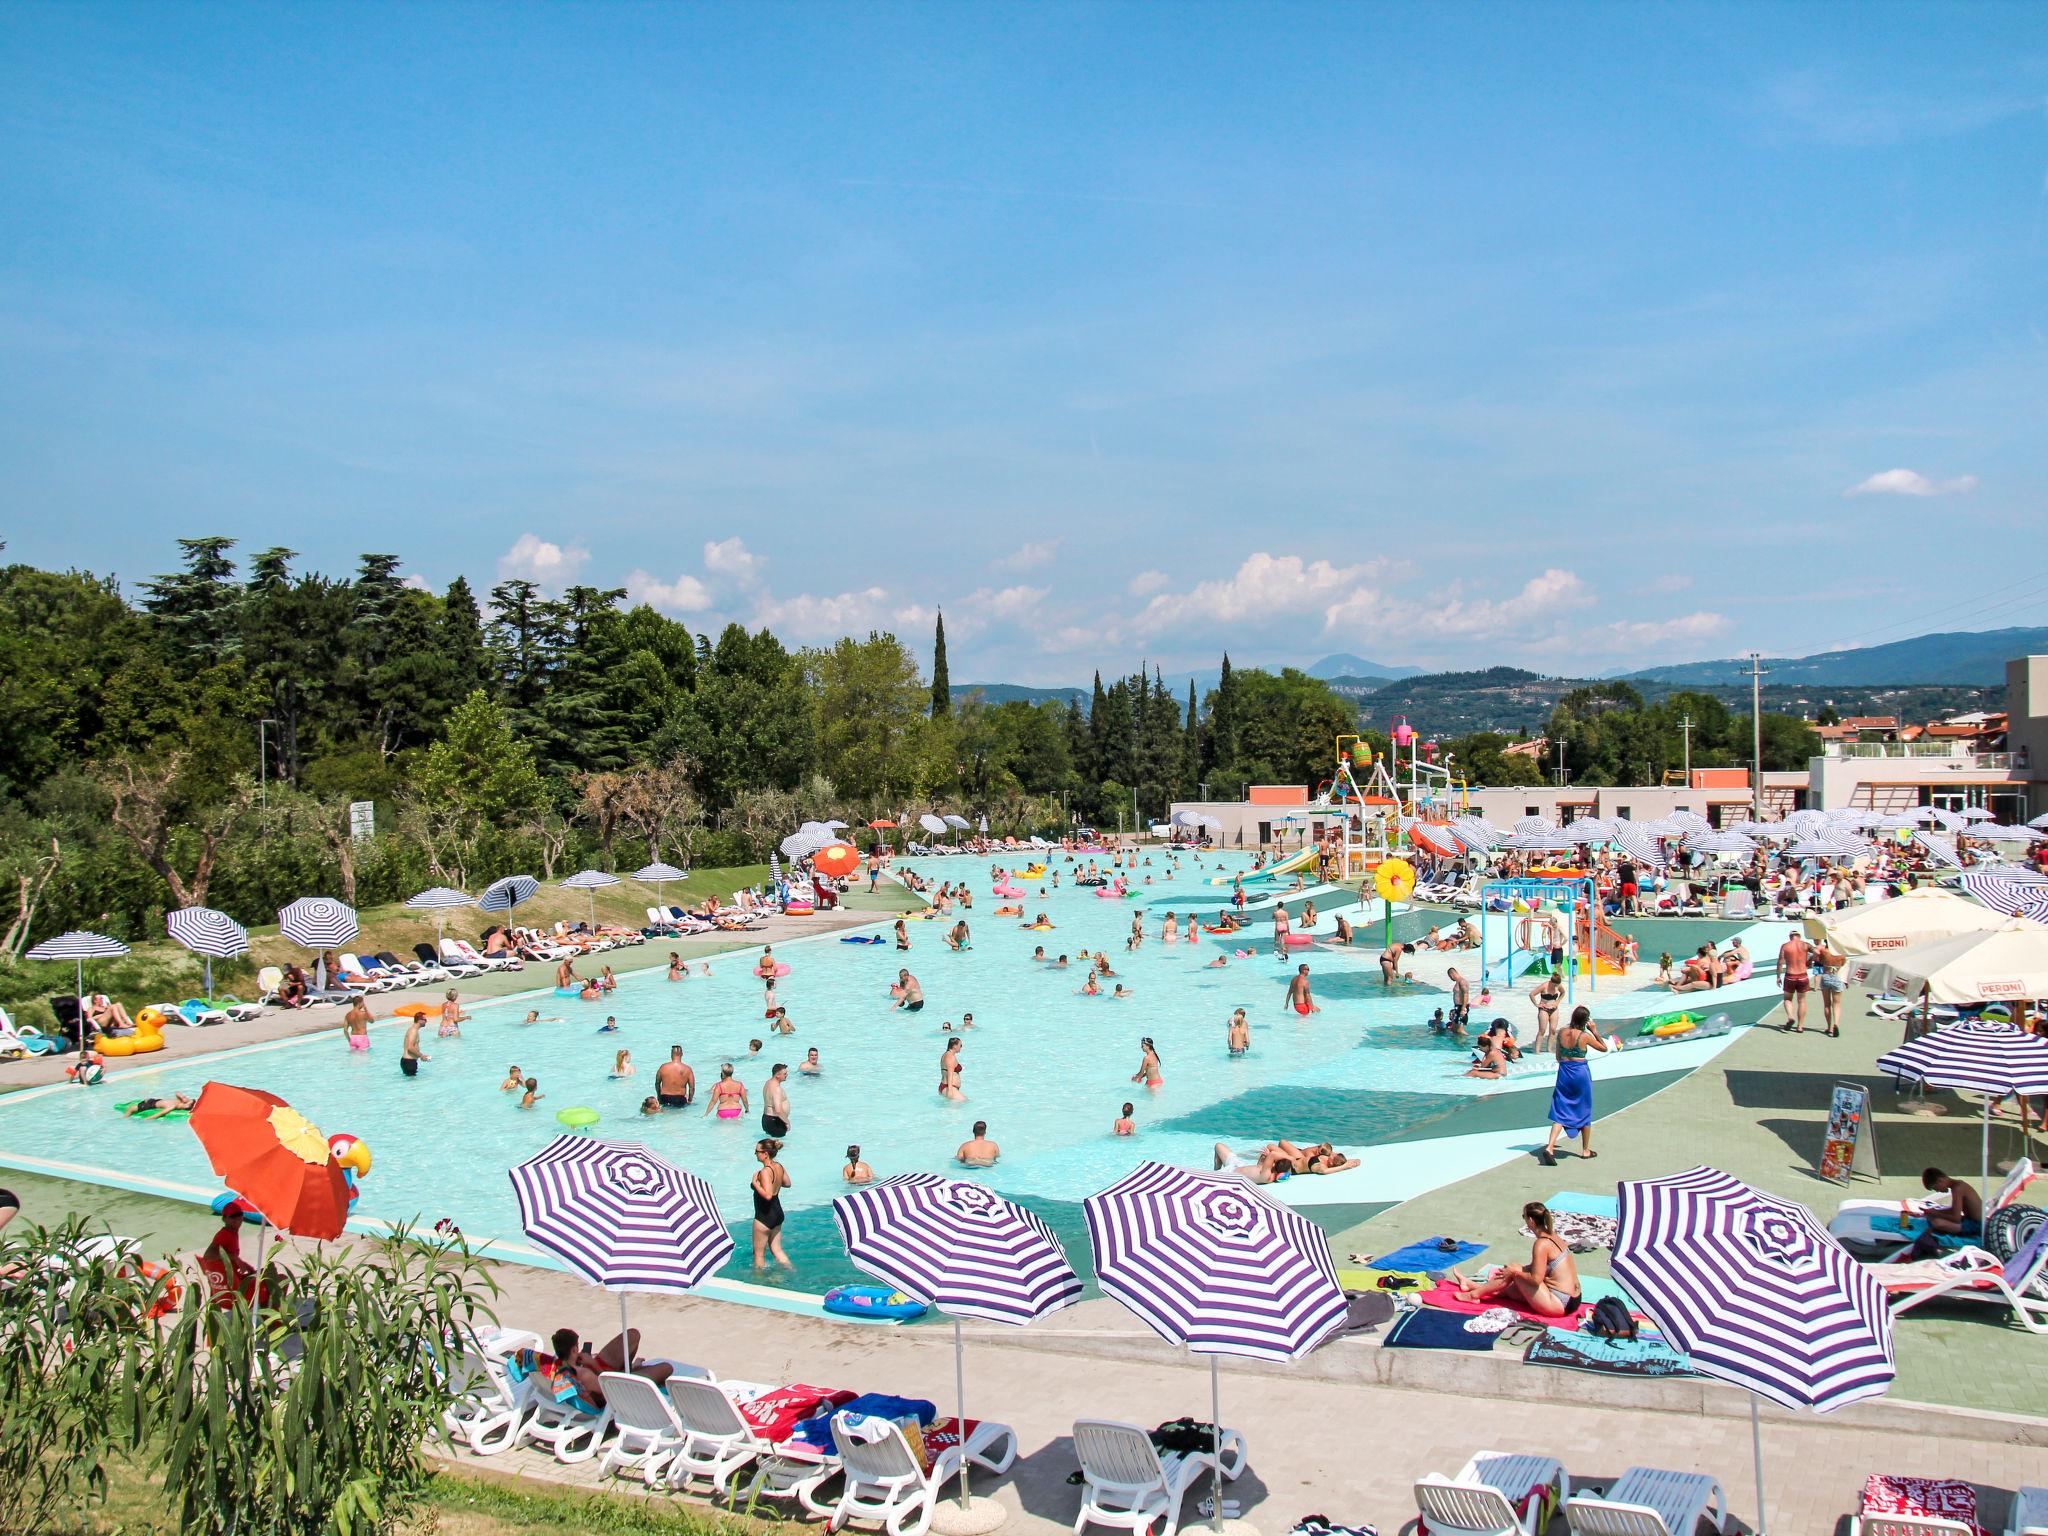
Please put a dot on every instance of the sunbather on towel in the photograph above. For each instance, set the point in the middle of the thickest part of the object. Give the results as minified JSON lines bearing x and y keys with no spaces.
{"x":1548,"y":1284}
{"x":1962,"y":1217}
{"x":584,"y":1367}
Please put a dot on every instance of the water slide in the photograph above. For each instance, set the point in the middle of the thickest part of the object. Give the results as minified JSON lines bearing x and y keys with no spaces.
{"x":1304,"y":860}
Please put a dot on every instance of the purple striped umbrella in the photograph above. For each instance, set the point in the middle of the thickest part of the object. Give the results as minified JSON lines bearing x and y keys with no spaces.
{"x":1212,"y":1262}
{"x":621,"y":1216}
{"x":2015,"y":892}
{"x":1985,"y":1056}
{"x":1756,"y":1292}
{"x":960,"y":1248}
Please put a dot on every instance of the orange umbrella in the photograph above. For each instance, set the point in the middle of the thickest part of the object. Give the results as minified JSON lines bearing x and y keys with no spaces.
{"x":836,"y":859}
{"x":273,"y":1157}
{"x":876,"y":826}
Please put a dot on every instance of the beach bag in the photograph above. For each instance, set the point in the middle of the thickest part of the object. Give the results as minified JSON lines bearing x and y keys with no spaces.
{"x":1184,"y":1436}
{"x":1611,"y":1319}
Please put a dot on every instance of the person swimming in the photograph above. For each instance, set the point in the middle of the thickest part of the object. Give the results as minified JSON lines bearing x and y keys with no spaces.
{"x":610,"y":1026}
{"x":513,"y":1080}
{"x":856,"y":1171}
{"x":1125,"y":1125}
{"x":810,"y":1066}
{"x":650,"y":1105}
{"x":1089,"y":986}
{"x":1148,"y":1071}
{"x":908,"y":993}
{"x":532,"y":1095}
{"x":677,"y":969}
{"x":622,"y":1065}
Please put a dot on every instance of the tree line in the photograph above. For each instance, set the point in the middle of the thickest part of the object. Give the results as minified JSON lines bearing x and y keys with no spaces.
{"x":204,"y":742}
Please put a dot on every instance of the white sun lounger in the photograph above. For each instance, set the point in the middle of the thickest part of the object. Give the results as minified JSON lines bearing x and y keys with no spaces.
{"x":647,"y":1432}
{"x":1971,"y":1274}
{"x":1908,"y":1525}
{"x":1129,"y":1484}
{"x":1856,"y":1221}
{"x":1648,"y":1502}
{"x":489,"y":1406}
{"x":885,"y":1480}
{"x":719,"y":1442}
{"x":2029,"y":1513}
{"x":1481,"y":1499}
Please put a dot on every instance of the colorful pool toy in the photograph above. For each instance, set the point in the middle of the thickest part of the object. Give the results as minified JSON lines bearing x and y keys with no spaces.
{"x":873,"y":1301}
{"x":577,"y":1117}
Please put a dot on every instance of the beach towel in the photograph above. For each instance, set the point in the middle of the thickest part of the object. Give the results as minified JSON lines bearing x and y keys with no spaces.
{"x":1429,"y":1256}
{"x":1580,"y":1232}
{"x":1586,"y":1205}
{"x":775,"y":1415}
{"x":816,"y":1431}
{"x":1392,"y":1281}
{"x":1645,"y":1358}
{"x":1444,"y":1298}
{"x":1426,"y":1329}
{"x":1945,"y":1498}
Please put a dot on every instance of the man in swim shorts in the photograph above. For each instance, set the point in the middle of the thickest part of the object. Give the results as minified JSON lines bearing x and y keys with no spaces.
{"x":1461,"y":1005}
{"x":978,"y":1151}
{"x":1299,"y":997}
{"x":675,"y":1085}
{"x":775,"y":1102}
{"x":410,"y":1057}
{"x":1794,"y":978}
{"x":909,"y":995}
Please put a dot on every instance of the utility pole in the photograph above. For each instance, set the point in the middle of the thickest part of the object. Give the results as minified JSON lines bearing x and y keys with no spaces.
{"x":1560,"y":762}
{"x":1756,"y":735}
{"x":1685,"y":730}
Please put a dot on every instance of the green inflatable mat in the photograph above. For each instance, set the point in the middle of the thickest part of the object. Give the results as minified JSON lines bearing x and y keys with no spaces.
{"x":133,"y":1110}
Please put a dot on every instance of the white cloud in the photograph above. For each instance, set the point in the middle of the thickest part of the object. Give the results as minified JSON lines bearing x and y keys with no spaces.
{"x":417,"y":582}
{"x":1145,"y":583}
{"x":1263,"y":587}
{"x":1647,"y":634}
{"x":809,"y":616}
{"x":731,"y":557}
{"x":686,"y":594}
{"x":532,"y":558}
{"x":1910,"y":482}
{"x":1027,"y":557}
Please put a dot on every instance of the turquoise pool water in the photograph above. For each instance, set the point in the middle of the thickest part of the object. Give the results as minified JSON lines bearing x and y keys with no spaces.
{"x":1048,"y":1068}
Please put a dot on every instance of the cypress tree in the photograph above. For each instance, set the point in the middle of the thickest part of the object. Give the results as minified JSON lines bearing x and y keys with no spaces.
{"x":942,"y":685}
{"x":462,"y":636}
{"x":1223,"y":720}
{"x":1191,"y":749}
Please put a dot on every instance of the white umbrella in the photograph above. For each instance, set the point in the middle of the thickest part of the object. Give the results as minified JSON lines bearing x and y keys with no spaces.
{"x":957,"y":823}
{"x":1976,"y":813}
{"x":932,"y":824}
{"x":2001,"y":964}
{"x":657,"y":875}
{"x":1925,"y":915}
{"x":81,"y":947}
{"x":590,"y":882}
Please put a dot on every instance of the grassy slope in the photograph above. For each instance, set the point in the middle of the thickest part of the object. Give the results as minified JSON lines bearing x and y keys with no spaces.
{"x":160,"y":970}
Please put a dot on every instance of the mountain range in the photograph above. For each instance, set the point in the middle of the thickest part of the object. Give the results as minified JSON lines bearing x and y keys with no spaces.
{"x":1348,"y":673}
{"x":1972,"y":657}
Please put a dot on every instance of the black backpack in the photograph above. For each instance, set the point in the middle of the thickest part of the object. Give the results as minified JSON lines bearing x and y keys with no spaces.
{"x":1611,"y":1319}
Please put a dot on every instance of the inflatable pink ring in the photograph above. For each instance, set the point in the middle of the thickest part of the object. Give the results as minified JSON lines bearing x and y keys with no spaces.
{"x":1298,"y":940}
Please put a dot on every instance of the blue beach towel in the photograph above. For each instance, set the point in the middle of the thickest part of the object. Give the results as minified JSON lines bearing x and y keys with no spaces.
{"x":1434,"y":1328}
{"x":1428,"y":1257}
{"x":817,"y":1432}
{"x":1585,"y":1205}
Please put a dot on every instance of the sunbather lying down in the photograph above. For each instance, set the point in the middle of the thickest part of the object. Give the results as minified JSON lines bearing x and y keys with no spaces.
{"x":1282,"y":1159}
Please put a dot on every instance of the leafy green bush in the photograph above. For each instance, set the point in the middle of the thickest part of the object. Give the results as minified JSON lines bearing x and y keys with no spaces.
{"x":73,"y":1368}
{"x":309,"y":1415}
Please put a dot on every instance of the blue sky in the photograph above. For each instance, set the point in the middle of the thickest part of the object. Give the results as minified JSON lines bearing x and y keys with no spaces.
{"x":1576,"y":337}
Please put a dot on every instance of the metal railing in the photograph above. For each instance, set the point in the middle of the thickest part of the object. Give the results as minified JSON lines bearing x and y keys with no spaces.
{"x":1916,"y":749}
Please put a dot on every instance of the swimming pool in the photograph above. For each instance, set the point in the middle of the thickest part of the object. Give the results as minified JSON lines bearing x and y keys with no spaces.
{"x":1046,"y":1067}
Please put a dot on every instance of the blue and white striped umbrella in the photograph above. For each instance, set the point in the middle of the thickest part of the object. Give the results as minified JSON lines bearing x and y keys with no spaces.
{"x":621,"y":1216}
{"x":79,"y":946}
{"x":658,"y":874}
{"x":1689,"y":821}
{"x":775,"y":871}
{"x":1720,"y":842}
{"x":1212,"y":1262}
{"x":318,"y":922}
{"x":1538,"y":842}
{"x":209,"y":934}
{"x":503,"y":895}
{"x":1588,"y":829}
{"x":437,"y":898}
{"x":2016,"y":893}
{"x":1806,"y":824}
{"x":1640,"y":845}
{"x":1529,"y":825}
{"x":590,"y":882}
{"x":957,"y":1246}
{"x":1984,"y":1056}
{"x":1755,"y":1292}
{"x":1836,"y":847}
{"x":1941,"y":849}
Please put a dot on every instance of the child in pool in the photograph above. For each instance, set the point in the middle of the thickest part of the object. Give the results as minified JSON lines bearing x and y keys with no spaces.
{"x":1240,"y":1037}
{"x":1089,"y":987}
{"x":780,"y":1023}
{"x":677,"y":970}
{"x":512,"y":1079}
{"x":592,"y":992}
{"x":606,"y":980}
{"x":610,"y":1026}
{"x":1120,"y":993}
{"x":532,"y":1094}
{"x":810,"y":1066}
{"x":650,"y":1105}
{"x":1125,"y":1125}
{"x":622,"y":1065}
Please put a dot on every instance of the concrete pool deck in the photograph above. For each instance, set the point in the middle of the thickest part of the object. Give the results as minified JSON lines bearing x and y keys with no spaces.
{"x":1755,"y":1107}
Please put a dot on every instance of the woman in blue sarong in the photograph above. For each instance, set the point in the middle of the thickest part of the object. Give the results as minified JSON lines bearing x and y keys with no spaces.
{"x":1571,"y":1101}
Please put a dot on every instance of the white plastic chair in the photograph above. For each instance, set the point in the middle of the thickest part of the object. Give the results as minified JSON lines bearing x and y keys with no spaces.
{"x":490,"y":1407}
{"x":1649,"y":1502}
{"x":1856,"y":1221}
{"x":1129,"y":1484}
{"x":1481,"y":1499}
{"x":885,"y":1480}
{"x":647,"y":1432}
{"x":1971,"y":1274}
{"x":1908,"y":1525}
{"x":2029,"y":1513}
{"x":719,"y":1442}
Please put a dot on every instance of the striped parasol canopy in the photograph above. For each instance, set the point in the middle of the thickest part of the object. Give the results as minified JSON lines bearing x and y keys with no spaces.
{"x":590,"y":882}
{"x":932,"y":824}
{"x":1588,"y":829}
{"x":1689,"y":821}
{"x":2015,"y":892}
{"x":957,"y":1246}
{"x":79,"y":946}
{"x":1720,"y":842}
{"x":1976,"y":813}
{"x":503,"y":895}
{"x":318,"y":922}
{"x":1979,"y":1055}
{"x":1533,"y":824}
{"x":1538,"y":842}
{"x":1836,"y":847}
{"x":1640,"y":844}
{"x":1212,"y":1262}
{"x":658,"y":873}
{"x":1943,"y":849}
{"x":1753,"y":1289}
{"x":956,"y":822}
{"x":436,"y":898}
{"x":620,"y":1215}
{"x":1806,"y":824}
{"x":209,"y":934}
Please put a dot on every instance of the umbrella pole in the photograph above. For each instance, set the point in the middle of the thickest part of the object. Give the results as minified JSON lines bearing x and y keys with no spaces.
{"x":1756,"y":1446}
{"x":1984,"y":1176}
{"x":81,"y":1018}
{"x":960,"y":1398}
{"x":625,"y":1337}
{"x":1216,"y":1445}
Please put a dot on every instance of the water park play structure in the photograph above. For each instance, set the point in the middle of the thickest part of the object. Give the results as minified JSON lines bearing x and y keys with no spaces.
{"x":1549,"y":917}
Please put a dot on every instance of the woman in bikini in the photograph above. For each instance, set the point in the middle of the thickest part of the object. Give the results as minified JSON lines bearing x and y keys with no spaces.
{"x":728,"y":1096}
{"x":768,"y":1183}
{"x":1548,"y":1285}
{"x":1547,"y":998}
{"x":1148,"y":1065}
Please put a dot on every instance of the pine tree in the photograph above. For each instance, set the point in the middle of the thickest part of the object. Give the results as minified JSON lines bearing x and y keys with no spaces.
{"x":462,"y":637}
{"x":1223,"y":721}
{"x":197,"y":607}
{"x":1191,"y":749}
{"x":942,"y":685}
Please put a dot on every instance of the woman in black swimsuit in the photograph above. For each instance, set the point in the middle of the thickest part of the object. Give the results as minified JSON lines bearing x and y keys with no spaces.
{"x":769,"y":1181}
